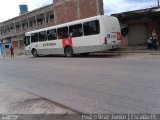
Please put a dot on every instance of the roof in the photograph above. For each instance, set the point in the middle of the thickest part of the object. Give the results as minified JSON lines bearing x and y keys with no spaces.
{"x":153,"y":12}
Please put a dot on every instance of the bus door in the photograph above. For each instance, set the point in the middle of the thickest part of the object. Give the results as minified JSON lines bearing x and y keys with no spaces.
{"x":27,"y":41}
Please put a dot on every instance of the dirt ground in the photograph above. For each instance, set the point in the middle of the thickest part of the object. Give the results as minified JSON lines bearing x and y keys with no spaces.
{"x":15,"y":101}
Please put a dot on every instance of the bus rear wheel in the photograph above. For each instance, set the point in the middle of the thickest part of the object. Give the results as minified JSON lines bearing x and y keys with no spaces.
{"x":34,"y":53}
{"x":68,"y":52}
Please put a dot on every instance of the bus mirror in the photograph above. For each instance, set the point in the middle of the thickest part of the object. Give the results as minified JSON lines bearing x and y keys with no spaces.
{"x":124,"y":31}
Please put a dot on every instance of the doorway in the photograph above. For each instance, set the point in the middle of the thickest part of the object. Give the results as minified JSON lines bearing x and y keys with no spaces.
{"x":137,"y":34}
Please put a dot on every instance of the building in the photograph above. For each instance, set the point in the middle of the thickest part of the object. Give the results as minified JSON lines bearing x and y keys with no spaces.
{"x":12,"y":31}
{"x":137,"y":25}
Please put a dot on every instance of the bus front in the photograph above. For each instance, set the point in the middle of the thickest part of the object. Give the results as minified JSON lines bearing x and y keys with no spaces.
{"x":27,"y":43}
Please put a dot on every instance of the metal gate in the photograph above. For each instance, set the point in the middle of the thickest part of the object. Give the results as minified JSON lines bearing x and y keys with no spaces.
{"x":137,"y":34}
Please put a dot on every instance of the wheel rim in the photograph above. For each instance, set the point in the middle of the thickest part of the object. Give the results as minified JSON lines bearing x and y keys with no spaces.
{"x":69,"y":52}
{"x":35,"y":53}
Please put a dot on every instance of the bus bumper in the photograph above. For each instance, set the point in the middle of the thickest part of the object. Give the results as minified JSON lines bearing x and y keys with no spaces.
{"x":111,"y":46}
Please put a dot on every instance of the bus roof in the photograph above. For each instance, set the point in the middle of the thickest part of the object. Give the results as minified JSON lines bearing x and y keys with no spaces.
{"x":66,"y":24}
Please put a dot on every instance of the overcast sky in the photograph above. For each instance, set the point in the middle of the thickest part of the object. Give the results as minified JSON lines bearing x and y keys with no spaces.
{"x":116,"y":6}
{"x":10,"y":8}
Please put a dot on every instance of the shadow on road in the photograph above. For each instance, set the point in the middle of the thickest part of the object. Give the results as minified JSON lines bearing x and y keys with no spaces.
{"x":92,"y":55}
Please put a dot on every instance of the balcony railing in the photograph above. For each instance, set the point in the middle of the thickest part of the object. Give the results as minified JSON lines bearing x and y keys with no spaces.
{"x":21,"y":30}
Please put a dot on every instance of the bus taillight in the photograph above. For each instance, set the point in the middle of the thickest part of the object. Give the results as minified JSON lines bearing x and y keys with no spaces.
{"x":105,"y":40}
{"x":118,"y":36}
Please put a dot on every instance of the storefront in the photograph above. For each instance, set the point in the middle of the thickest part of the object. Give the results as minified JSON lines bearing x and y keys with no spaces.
{"x":137,"y":25}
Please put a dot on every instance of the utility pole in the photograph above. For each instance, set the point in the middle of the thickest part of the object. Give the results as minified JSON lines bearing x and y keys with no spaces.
{"x":158,"y":2}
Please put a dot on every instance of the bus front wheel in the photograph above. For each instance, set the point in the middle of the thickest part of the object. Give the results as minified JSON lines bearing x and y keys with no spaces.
{"x":34,"y":53}
{"x":68,"y":52}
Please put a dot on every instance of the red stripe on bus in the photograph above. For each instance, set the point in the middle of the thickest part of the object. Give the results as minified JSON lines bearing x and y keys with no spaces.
{"x":67,"y":42}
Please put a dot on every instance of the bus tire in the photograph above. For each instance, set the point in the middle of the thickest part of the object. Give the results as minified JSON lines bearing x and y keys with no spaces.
{"x":34,"y":53}
{"x":68,"y":52}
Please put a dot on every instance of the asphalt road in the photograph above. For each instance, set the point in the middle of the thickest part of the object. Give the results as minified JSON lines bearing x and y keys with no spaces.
{"x":96,"y":84}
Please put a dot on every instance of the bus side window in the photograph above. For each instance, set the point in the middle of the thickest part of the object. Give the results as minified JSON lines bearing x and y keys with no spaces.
{"x":91,"y":28}
{"x":34,"y":37}
{"x":62,"y":32}
{"x":75,"y":30}
{"x":52,"y":34}
{"x":42,"y":36}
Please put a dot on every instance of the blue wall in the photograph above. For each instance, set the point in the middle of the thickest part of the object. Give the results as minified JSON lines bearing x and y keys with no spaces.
{"x":0,"y":49}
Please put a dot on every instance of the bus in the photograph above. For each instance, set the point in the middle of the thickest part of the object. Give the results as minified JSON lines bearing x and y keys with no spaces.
{"x":94,"y":34}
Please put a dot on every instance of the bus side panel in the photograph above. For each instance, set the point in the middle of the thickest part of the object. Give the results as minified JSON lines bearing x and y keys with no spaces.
{"x":90,"y":43}
{"x":87,"y":44}
{"x":51,"y":51}
{"x":50,"y":47}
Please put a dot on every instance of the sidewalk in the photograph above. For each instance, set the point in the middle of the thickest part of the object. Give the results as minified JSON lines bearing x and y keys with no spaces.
{"x":16,"y":101}
{"x":140,"y":49}
{"x":136,"y":49}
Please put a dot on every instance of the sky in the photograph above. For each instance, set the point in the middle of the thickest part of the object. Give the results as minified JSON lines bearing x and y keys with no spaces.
{"x":10,"y":8}
{"x":117,"y":6}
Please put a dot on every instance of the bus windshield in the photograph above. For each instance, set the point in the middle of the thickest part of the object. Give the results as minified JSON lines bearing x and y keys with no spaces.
{"x":27,"y":40}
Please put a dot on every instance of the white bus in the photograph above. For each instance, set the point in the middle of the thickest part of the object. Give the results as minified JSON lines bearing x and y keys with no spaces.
{"x":84,"y":36}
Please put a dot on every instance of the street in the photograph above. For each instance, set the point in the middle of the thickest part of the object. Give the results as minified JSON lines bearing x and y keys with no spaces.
{"x":94,"y":84}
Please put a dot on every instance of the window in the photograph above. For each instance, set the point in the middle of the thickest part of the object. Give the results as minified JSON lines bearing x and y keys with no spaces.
{"x":62,"y":32}
{"x":91,"y":28}
{"x":34,"y":37}
{"x":40,"y":21}
{"x":6,"y":46}
{"x":52,"y":18}
{"x":11,"y":28}
{"x":30,"y":23}
{"x":27,"y":40}
{"x":42,"y":36}
{"x":18,"y":27}
{"x":23,"y":25}
{"x":52,"y":34}
{"x":75,"y":30}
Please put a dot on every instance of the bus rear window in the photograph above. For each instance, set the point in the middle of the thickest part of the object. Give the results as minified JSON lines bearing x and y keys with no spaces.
{"x":91,"y":28}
